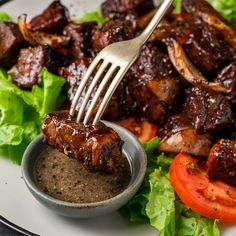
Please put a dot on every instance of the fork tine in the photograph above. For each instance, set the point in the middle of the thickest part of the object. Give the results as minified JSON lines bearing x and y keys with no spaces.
{"x":98,"y":93}
{"x":83,"y":82}
{"x":119,"y":76}
{"x":98,"y":75}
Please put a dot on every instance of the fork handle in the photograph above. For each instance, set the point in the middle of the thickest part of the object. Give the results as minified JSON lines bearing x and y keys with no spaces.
{"x":155,"y":21}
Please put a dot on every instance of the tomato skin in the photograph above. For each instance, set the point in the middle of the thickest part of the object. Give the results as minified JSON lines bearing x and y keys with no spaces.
{"x":142,"y":129}
{"x":215,"y":200}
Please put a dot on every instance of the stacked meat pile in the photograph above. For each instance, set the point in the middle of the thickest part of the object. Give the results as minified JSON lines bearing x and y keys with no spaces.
{"x":184,"y":79}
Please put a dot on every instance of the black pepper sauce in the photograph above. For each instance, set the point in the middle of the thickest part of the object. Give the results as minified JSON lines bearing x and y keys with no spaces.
{"x":66,"y":179}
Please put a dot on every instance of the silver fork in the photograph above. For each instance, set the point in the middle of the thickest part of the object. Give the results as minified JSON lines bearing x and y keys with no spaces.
{"x":119,"y":56}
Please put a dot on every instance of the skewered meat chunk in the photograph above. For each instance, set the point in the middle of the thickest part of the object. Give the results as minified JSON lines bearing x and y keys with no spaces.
{"x":53,"y":19}
{"x":113,"y":7}
{"x":97,"y":147}
{"x":11,"y":40}
{"x":26,"y":72}
{"x":80,"y":35}
{"x":111,"y":32}
{"x":180,"y":136}
{"x":209,"y":111}
{"x":221,"y":162}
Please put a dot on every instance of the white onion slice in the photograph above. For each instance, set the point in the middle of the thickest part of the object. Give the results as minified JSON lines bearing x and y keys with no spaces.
{"x":40,"y":38}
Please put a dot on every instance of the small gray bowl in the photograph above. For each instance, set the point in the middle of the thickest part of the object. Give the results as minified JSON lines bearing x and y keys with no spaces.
{"x":133,"y":151}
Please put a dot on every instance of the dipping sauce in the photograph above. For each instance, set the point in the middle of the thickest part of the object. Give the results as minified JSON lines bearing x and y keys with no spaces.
{"x":67,"y":180}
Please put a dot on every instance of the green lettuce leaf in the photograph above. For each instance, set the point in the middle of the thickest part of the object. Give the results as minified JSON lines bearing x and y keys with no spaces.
{"x":93,"y":16}
{"x":189,"y":223}
{"x":177,"y":5}
{"x":227,"y":8}
{"x":157,"y":203}
{"x":4,"y":16}
{"x":11,"y":135}
{"x":161,"y":203}
{"x":22,"y":111}
{"x":135,"y":209}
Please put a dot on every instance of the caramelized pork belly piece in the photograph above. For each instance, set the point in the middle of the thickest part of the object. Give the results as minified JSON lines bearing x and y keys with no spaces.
{"x":121,"y":103}
{"x":154,"y":85}
{"x":113,"y":31}
{"x":80,"y":36}
{"x":153,"y":62}
{"x":228,"y":77}
{"x":31,"y":60}
{"x":188,"y":71}
{"x":53,"y":19}
{"x":192,"y":9}
{"x":198,"y":11}
{"x":11,"y":40}
{"x":112,"y":7}
{"x":97,"y":147}
{"x":207,"y":50}
{"x":73,"y":75}
{"x":167,"y":90}
{"x":179,"y":136}
{"x":209,"y":111}
{"x":221,"y":162}
{"x":203,"y":45}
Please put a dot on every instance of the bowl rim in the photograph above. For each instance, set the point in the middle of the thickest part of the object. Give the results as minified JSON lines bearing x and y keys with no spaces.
{"x":135,"y":182}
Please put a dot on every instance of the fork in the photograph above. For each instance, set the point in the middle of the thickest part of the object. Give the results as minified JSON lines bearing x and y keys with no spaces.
{"x":114,"y":62}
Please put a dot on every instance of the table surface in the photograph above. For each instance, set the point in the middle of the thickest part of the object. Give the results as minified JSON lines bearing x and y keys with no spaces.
{"x":6,"y":231}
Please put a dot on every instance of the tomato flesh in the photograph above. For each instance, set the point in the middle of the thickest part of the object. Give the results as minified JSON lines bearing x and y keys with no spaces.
{"x":215,"y":200}
{"x":142,"y":129}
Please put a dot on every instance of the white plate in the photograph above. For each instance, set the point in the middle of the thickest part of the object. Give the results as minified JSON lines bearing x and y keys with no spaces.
{"x":16,"y":203}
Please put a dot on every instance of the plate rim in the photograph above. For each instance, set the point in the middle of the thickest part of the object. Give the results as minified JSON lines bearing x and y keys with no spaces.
{"x":16,"y":227}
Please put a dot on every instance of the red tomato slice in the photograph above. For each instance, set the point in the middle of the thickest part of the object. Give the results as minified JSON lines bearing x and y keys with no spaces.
{"x":144,"y":130}
{"x":215,"y":200}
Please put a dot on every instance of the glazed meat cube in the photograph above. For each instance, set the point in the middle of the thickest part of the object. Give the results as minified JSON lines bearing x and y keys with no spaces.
{"x":113,"y":7}
{"x":203,"y":44}
{"x":111,"y":32}
{"x":11,"y":40}
{"x":154,"y":86}
{"x":31,"y":60}
{"x":97,"y":147}
{"x":228,"y":77}
{"x":152,"y":63}
{"x":73,"y":75}
{"x":53,"y":19}
{"x":209,"y":110}
{"x":191,"y":9}
{"x":207,"y":50}
{"x":121,"y":103}
{"x":221,"y":162}
{"x":80,"y":35}
{"x":199,"y":11}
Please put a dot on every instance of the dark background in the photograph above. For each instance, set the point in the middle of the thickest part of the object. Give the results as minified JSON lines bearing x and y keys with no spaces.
{"x":6,"y":231}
